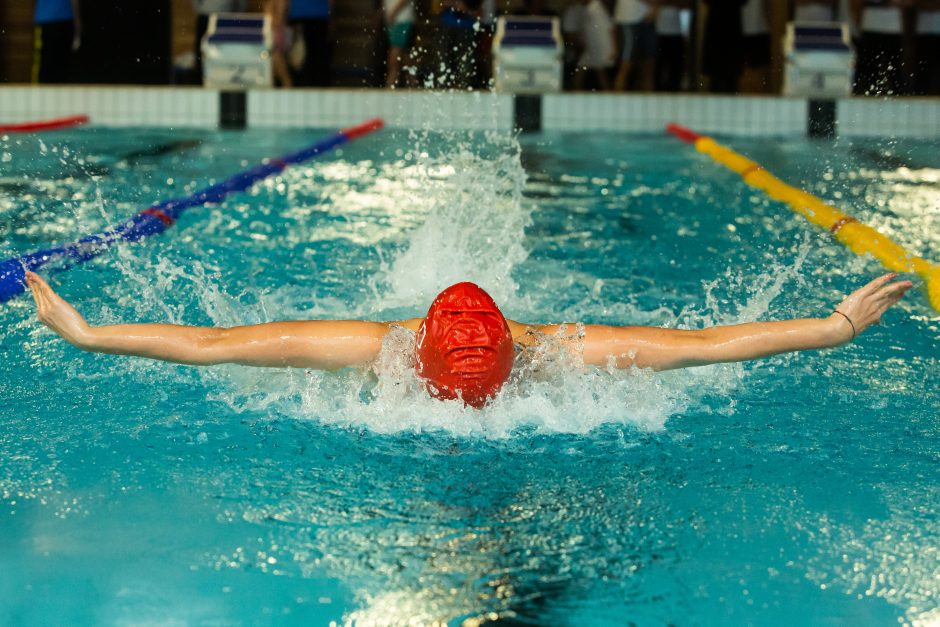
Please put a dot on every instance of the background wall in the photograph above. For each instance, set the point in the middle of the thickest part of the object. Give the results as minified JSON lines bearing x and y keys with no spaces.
{"x":354,"y":25}
{"x":16,"y":40}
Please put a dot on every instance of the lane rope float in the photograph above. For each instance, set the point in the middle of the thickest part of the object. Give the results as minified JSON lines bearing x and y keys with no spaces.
{"x":162,"y":215}
{"x":44,"y":125}
{"x":858,"y":237}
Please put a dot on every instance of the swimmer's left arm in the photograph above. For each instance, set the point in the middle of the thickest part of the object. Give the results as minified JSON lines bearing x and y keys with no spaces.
{"x":664,"y":349}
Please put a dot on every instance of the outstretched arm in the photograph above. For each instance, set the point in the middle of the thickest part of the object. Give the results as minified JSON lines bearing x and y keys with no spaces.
{"x":321,"y":344}
{"x":664,"y":349}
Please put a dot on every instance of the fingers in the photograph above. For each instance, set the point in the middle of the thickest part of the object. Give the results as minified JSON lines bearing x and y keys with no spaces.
{"x":891,"y":294}
{"x":35,"y":284}
{"x":877,"y":284}
{"x":42,"y":294}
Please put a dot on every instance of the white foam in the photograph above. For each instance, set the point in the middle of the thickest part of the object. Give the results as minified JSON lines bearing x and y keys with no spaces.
{"x":474,"y":227}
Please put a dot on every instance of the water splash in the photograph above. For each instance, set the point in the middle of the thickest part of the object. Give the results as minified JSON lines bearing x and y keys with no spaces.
{"x":474,"y":229}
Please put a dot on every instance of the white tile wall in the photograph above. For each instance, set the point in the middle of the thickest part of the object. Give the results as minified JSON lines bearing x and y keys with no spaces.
{"x":874,"y":117}
{"x":112,"y":106}
{"x":399,"y":109}
{"x":733,"y":115}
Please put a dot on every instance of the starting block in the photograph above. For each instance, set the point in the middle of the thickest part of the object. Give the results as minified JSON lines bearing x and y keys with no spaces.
{"x":527,"y":55}
{"x":236,"y":51}
{"x":819,"y":60}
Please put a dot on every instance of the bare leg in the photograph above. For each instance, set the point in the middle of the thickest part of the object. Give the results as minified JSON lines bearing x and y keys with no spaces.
{"x":578,"y":81}
{"x":623,"y":76}
{"x":394,"y":66}
{"x":281,"y":71}
{"x":646,"y":75}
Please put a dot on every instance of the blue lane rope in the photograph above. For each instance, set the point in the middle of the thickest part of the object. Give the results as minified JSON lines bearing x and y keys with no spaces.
{"x":161,"y":216}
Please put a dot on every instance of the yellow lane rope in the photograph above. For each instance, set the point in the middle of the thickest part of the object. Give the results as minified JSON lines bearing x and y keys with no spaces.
{"x":857,"y":237}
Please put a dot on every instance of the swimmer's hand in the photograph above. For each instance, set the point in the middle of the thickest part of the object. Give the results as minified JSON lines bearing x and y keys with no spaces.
{"x":865,"y":306}
{"x":54,"y":312}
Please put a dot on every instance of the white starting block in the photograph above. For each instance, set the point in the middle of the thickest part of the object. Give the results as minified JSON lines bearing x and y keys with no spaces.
{"x":527,"y":55}
{"x":236,"y":51}
{"x":820,"y":60}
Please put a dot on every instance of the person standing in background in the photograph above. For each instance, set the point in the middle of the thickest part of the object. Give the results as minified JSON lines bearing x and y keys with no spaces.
{"x":399,"y":19}
{"x":459,"y":24}
{"x":203,"y":9}
{"x":57,"y":35}
{"x":755,"y":79}
{"x":591,"y":30}
{"x":636,"y":23}
{"x":283,"y":38}
{"x":310,"y":21}
{"x":928,"y":47}
{"x":485,"y":44}
{"x":723,"y":58}
{"x":670,"y":46}
{"x":880,"y":54}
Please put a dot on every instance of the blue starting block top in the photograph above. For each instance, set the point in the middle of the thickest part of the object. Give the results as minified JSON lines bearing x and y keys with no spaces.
{"x":819,"y":38}
{"x":529,"y":32}
{"x":236,"y":37}
{"x":237,"y":30}
{"x":239,"y":23}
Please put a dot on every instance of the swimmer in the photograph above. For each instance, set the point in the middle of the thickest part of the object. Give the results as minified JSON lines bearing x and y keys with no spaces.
{"x":464,"y":346}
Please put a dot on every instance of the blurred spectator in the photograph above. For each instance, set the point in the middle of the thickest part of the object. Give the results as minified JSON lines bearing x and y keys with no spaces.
{"x":636,"y":23}
{"x":310,"y":23}
{"x":591,"y":32}
{"x":459,"y":23}
{"x":755,"y":15}
{"x":536,"y":8}
{"x":485,"y":44}
{"x":815,"y":10}
{"x":723,"y":42}
{"x":58,"y":35}
{"x":670,"y":46}
{"x":203,"y":9}
{"x":399,"y":20}
{"x":283,"y":40}
{"x":928,"y":47}
{"x":845,"y":14}
{"x":879,"y":61}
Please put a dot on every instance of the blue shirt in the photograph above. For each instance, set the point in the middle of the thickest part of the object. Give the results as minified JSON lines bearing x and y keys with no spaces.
{"x":52,"y":11}
{"x":301,"y":9}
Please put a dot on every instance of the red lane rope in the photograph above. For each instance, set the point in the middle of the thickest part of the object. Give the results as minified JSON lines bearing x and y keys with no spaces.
{"x":362,"y":129}
{"x":685,"y":134}
{"x":159,"y":215}
{"x":44,"y":125}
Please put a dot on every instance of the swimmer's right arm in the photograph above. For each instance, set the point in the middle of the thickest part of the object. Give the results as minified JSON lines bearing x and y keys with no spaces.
{"x":319,"y":344}
{"x":665,"y":349}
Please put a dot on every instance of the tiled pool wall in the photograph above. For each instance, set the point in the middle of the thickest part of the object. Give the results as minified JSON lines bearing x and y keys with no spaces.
{"x":752,"y":116}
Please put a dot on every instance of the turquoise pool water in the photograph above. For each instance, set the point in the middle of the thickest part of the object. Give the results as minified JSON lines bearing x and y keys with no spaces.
{"x":796,"y":490}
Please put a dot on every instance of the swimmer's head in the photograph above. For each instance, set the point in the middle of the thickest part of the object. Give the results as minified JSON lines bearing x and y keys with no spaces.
{"x":464,"y":346}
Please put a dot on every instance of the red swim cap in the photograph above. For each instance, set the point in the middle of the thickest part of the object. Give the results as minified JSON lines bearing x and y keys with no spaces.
{"x":464,"y":346}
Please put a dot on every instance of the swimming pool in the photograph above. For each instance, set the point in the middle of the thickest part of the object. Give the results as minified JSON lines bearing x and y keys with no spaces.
{"x":800,"y":489}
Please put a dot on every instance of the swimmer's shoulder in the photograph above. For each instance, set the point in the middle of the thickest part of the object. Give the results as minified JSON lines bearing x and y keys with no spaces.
{"x":528,"y":334}
{"x":411,"y":324}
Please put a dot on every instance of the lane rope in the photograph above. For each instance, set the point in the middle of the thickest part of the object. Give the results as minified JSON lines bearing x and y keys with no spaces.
{"x":164,"y":214}
{"x":858,"y":237}
{"x":44,"y":125}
